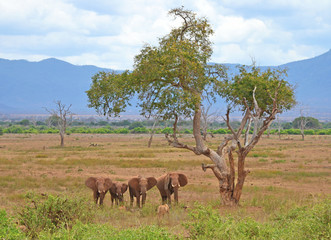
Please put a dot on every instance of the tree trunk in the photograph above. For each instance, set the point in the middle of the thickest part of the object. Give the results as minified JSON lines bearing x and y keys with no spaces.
{"x":62,"y":139}
{"x":242,"y":173}
{"x":152,"y":133}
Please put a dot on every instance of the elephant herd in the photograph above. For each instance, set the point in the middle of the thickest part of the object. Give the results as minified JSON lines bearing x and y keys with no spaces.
{"x":167,"y":184}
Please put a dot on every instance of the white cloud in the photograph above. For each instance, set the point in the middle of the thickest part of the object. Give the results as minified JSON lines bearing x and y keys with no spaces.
{"x":111,"y":33}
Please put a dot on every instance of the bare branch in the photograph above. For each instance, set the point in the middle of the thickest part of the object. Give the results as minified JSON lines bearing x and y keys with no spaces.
{"x":224,"y":144}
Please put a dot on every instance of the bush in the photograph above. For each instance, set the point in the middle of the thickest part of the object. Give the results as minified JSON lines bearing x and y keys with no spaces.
{"x":122,"y":131}
{"x":139,"y":130}
{"x":8,"y":229}
{"x":52,"y":212}
{"x":103,"y":231}
{"x":167,"y":130}
{"x":1,"y":131}
{"x":299,"y":223}
{"x":220,"y":131}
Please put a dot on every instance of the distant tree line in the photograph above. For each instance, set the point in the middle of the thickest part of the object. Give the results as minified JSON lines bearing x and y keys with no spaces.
{"x":314,"y":127}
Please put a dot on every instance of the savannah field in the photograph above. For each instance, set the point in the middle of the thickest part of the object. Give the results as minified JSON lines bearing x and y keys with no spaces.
{"x":284,"y":174}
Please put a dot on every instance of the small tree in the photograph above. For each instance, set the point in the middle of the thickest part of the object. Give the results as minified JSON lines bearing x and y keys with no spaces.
{"x":63,"y":115}
{"x":173,"y":78}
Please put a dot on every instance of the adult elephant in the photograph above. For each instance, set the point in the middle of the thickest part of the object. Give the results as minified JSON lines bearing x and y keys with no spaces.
{"x":169,"y":183}
{"x":139,"y":186}
{"x":99,"y":186}
{"x":116,"y":192}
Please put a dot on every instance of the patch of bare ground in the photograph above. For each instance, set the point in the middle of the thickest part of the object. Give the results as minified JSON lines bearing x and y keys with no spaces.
{"x":283,"y":172}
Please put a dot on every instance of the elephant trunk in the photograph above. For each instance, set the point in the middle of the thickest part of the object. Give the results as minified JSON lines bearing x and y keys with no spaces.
{"x":143,"y":198}
{"x":102,"y":196}
{"x":176,"y":194}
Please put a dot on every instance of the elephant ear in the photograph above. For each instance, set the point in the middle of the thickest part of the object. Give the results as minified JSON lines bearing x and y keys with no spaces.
{"x":91,"y":183}
{"x":151,"y":182}
{"x":124,"y":187}
{"x":166,"y":181}
{"x":182,"y":179}
{"x":108,"y":183}
{"x":134,"y":183}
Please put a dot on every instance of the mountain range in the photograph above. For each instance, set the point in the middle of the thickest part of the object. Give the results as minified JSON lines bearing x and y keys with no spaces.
{"x":30,"y":87}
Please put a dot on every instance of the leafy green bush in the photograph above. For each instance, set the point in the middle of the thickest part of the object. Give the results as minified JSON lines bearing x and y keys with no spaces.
{"x":52,"y":212}
{"x":122,"y":131}
{"x":104,"y":231}
{"x":167,"y":130}
{"x":300,"y":223}
{"x":139,"y":130}
{"x":1,"y":131}
{"x":220,"y":131}
{"x":8,"y":229}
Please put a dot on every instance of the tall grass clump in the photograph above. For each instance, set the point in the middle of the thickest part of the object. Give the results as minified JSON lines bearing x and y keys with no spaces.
{"x":105,"y":231}
{"x":50,"y":213}
{"x":299,"y":223}
{"x":8,"y":229}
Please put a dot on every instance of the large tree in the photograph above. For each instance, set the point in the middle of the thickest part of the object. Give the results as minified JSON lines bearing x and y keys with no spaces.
{"x":173,"y":79}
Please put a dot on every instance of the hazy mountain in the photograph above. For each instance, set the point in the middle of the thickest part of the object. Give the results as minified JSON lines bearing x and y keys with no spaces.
{"x":28,"y":87}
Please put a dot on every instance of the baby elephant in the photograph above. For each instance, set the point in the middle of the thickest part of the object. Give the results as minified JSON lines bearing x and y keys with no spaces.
{"x":162,"y":210}
{"x":116,"y":192}
{"x":100,"y":187}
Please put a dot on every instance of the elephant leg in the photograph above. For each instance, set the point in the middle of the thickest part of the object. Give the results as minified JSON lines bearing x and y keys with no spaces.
{"x":112,"y":200}
{"x":169,"y":197}
{"x":176,"y":195}
{"x":164,"y":199}
{"x":131,"y":198}
{"x":116,"y":201}
{"x":215,"y":170}
{"x":95,"y":196}
{"x":102,"y":196}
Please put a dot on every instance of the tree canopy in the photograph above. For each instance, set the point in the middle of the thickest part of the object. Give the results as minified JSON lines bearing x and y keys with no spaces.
{"x":170,"y":79}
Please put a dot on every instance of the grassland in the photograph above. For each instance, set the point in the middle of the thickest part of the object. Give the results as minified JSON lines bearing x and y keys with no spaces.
{"x":284,"y":174}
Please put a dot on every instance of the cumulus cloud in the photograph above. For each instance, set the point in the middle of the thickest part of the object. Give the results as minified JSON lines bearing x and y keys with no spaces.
{"x":111,"y":33}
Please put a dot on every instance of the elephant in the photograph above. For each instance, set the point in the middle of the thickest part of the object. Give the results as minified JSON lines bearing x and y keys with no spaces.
{"x":139,"y":186}
{"x":169,"y":183}
{"x":116,"y":192}
{"x":100,"y":187}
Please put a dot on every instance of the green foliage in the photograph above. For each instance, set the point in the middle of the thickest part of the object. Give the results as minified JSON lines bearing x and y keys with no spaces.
{"x":24,"y":122}
{"x":312,"y":123}
{"x":139,"y":130}
{"x":299,"y":223}
{"x":1,"y":131}
{"x":52,"y":212}
{"x":103,"y":231}
{"x":8,"y":229}
{"x":134,"y":125}
{"x":169,"y":79}
{"x":110,"y":92}
{"x":267,"y":83}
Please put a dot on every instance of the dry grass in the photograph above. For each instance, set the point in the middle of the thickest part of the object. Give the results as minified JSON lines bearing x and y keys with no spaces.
{"x":283,"y":172}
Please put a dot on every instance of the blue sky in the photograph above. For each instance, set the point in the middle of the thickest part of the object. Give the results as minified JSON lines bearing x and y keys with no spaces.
{"x":109,"y":33}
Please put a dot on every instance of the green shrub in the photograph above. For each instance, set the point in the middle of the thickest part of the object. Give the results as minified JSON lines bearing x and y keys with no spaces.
{"x":52,"y":212}
{"x":300,"y":223}
{"x":167,"y":130}
{"x":139,"y":130}
{"x":8,"y":229}
{"x":122,"y":130}
{"x":104,"y":231}
{"x":1,"y":131}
